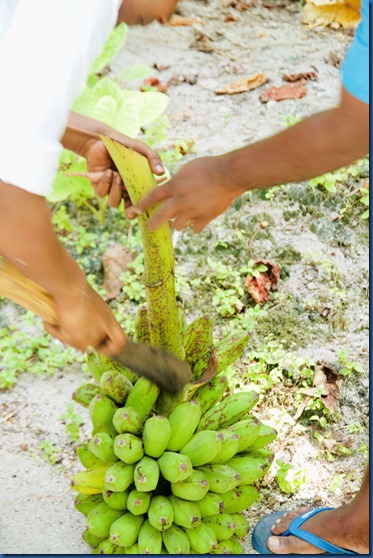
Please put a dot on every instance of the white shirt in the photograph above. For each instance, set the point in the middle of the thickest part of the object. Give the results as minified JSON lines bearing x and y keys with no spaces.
{"x":46,"y":49}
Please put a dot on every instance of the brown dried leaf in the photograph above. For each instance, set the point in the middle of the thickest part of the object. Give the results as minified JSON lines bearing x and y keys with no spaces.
{"x":115,"y":261}
{"x":161,"y":67}
{"x":181,"y":21}
{"x":345,"y":13}
{"x":153,"y":82}
{"x":202,"y":43}
{"x":309,"y":75}
{"x":286,"y":91}
{"x":259,"y":287}
{"x":242,"y":85}
{"x":328,"y":379}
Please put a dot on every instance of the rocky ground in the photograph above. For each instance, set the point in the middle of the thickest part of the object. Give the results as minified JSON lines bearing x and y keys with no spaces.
{"x":324,"y":255}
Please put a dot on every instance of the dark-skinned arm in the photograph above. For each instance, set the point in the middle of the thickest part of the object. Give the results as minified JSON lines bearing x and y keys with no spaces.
{"x":206,"y":187}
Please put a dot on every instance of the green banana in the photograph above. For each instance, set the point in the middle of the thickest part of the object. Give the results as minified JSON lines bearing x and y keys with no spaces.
{"x":228,"y":411}
{"x":116,"y":386}
{"x":194,"y":488}
{"x":202,"y":447}
{"x":229,"y":350}
{"x":88,"y":459}
{"x":265,"y":436}
{"x":231,"y":442}
{"x":91,"y":479}
{"x":107,"y":547}
{"x":242,"y":525}
{"x":212,"y":392}
{"x":125,"y":530}
{"x":127,"y":419}
{"x":142,"y":329}
{"x":175,"y":540}
{"x":174,"y":466}
{"x":202,"y":538}
{"x":97,"y":364}
{"x":222,"y":524}
{"x":150,"y":539}
{"x":119,"y":477}
{"x":248,"y":430}
{"x":239,"y":499}
{"x":86,"y":502}
{"x":85,"y":393}
{"x":186,"y":513}
{"x":250,"y":468}
{"x":156,"y":435}
{"x":100,"y":519}
{"x":181,"y":317}
{"x":221,"y":478}
{"x":231,"y":546}
{"x":102,"y":446}
{"x":128,"y":448}
{"x":102,"y":410}
{"x":160,"y":513}
{"x":146,"y":474}
{"x":183,"y":421}
{"x":115,"y":500}
{"x":197,"y":339}
{"x":211,"y":504}
{"x":138,"y":502}
{"x":133,"y":549}
{"x":143,"y":397}
{"x":91,"y":539}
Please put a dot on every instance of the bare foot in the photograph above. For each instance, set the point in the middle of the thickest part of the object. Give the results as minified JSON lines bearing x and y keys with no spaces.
{"x":329,"y":525}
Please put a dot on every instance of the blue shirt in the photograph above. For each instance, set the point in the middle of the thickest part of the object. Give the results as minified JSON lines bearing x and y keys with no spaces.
{"x":355,"y":68}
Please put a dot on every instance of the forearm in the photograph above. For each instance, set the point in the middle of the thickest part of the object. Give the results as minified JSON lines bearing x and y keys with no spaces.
{"x":82,"y":132}
{"x":27,"y":239}
{"x":319,"y":144}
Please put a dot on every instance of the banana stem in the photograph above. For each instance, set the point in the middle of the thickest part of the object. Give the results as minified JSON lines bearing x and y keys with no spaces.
{"x":159,"y":260}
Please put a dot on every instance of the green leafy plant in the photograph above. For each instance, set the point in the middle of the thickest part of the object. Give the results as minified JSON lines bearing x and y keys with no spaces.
{"x":365,"y":201}
{"x":50,"y":452}
{"x":288,"y":479}
{"x":72,"y":421}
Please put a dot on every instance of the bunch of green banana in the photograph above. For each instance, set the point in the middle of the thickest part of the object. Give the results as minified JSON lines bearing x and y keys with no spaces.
{"x":175,"y":484}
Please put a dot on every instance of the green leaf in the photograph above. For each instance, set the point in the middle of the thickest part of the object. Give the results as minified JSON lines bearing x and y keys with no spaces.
{"x":113,"y":45}
{"x":151,"y":104}
{"x":137,"y":71}
{"x":73,"y":187}
{"x":106,"y":110}
{"x":365,"y":215}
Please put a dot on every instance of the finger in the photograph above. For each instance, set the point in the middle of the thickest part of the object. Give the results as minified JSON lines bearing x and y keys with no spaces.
{"x":199,"y":225}
{"x":168,"y":210}
{"x":116,"y":191}
{"x":183,"y":221}
{"x":155,"y":196}
{"x":113,"y":343}
{"x":154,"y":160}
{"x":103,"y":186}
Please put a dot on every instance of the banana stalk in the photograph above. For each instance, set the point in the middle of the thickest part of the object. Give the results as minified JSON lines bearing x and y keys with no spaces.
{"x":159,"y":260}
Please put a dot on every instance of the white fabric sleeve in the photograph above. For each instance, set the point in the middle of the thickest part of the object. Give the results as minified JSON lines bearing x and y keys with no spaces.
{"x":45,"y":57}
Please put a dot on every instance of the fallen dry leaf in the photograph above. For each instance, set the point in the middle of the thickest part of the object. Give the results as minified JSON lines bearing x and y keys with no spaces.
{"x":334,"y":59}
{"x":239,"y":5}
{"x":229,"y":18}
{"x":153,"y":82}
{"x":202,"y":43}
{"x":309,"y":75}
{"x":328,"y":379}
{"x":181,"y":21}
{"x":176,"y":79}
{"x":344,"y":13}
{"x":161,"y":67}
{"x":242,"y":85}
{"x":259,"y":287}
{"x":115,"y":261}
{"x":287,"y":91}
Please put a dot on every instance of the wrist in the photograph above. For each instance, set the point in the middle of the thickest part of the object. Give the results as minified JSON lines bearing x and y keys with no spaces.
{"x":229,"y":174}
{"x":82,"y":133}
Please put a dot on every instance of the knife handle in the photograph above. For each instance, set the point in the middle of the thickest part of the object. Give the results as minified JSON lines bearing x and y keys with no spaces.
{"x":24,"y":291}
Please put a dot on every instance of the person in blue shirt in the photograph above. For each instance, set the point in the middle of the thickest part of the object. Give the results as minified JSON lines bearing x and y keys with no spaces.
{"x":206,"y":187}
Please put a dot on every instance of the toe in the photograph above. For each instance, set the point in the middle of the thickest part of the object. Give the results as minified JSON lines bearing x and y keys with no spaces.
{"x":290,"y":545}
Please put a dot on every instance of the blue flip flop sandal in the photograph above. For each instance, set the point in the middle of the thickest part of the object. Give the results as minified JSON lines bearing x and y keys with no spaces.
{"x":263,"y":530}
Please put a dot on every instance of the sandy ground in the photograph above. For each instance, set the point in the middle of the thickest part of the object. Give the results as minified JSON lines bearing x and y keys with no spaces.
{"x":37,"y":514}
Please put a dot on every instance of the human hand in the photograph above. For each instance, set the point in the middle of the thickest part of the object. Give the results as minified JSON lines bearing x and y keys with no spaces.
{"x":103,"y":174}
{"x":85,"y":320}
{"x":197,"y":194}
